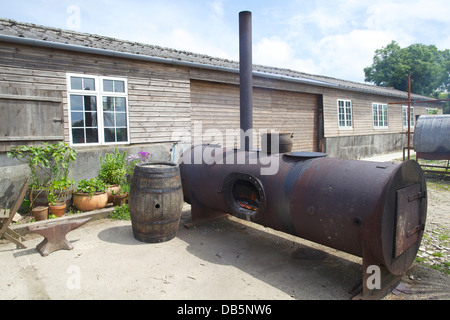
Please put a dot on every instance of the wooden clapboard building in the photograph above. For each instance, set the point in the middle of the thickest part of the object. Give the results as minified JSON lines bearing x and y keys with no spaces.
{"x":93,"y":91}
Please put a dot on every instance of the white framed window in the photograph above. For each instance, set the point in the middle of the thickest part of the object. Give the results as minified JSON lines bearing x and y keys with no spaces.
{"x":405,"y":116}
{"x":98,"y":110}
{"x":380,"y":116}
{"x":345,"y":118}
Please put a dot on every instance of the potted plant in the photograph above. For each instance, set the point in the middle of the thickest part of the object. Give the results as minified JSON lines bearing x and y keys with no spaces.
{"x":40,"y":213}
{"x":57,"y":196}
{"x":90,"y":194}
{"x":47,"y":163}
{"x":113,"y":171}
{"x":119,"y":198}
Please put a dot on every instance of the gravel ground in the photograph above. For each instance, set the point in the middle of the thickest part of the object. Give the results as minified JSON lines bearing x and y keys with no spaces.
{"x":435,"y":248}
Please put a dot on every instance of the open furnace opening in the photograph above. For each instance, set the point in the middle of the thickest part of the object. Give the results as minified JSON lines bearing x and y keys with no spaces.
{"x":245,"y":195}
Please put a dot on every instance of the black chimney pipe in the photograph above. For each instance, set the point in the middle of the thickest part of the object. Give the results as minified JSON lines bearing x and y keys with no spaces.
{"x":246,"y":87}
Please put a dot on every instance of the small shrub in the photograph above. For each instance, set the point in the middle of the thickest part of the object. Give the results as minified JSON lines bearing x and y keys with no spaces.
{"x":121,"y":213}
{"x":91,"y":186}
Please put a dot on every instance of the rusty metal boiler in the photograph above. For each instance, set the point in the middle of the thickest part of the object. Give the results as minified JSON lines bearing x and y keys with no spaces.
{"x":374,"y":210}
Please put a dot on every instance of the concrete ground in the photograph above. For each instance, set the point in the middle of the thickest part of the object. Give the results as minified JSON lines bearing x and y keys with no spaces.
{"x":221,"y":260}
{"x":227,"y":259}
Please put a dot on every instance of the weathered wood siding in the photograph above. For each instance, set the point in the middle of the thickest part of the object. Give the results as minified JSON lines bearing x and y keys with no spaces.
{"x":216,"y":106}
{"x":33,"y":88}
{"x":362,"y":113}
{"x":29,"y":116}
{"x":166,"y":98}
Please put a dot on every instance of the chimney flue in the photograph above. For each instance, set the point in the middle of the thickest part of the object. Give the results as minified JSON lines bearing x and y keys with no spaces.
{"x":246,"y":87}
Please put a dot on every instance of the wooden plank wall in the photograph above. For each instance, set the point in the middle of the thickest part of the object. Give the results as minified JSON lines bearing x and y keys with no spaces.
{"x":159,"y":95}
{"x":34,"y":80}
{"x":362,"y":113}
{"x":216,"y":105}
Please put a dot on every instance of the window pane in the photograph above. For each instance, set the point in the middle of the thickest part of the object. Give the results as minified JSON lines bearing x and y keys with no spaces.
{"x":122,"y":135}
{"x":76,"y":83}
{"x":91,"y":119}
{"x":76,"y":103}
{"x":90,"y":103}
{"x":121,"y":120}
{"x":110,"y":135}
{"x":77,"y":119}
{"x":91,"y":136}
{"x":78,"y":136}
{"x":119,"y":86}
{"x":108,"y":119}
{"x":108,"y":104}
{"x":88,"y":84}
{"x":120,"y":104}
{"x":108,"y":85}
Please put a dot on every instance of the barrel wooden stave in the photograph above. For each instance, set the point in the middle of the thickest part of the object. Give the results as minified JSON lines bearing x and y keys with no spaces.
{"x":155,"y":202}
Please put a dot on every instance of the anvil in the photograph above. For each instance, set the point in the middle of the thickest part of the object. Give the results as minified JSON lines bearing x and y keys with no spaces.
{"x":55,"y":235}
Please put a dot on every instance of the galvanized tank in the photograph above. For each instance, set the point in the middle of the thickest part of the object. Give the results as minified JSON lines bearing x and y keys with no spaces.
{"x":432,"y":137}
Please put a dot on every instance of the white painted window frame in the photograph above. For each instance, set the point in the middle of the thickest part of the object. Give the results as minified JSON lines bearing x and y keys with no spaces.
{"x":385,"y":116}
{"x":346,"y":126}
{"x":99,"y":93}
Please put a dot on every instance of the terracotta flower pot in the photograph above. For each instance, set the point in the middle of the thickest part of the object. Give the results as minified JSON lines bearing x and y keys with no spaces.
{"x":40,"y":213}
{"x":57,"y":209}
{"x":83,"y":202}
{"x":112,"y":189}
{"x":119,"y":199}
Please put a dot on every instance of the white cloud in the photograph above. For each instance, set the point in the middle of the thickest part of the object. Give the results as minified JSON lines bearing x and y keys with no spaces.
{"x":217,"y":7}
{"x":272,"y":51}
{"x":346,"y":55}
{"x":333,"y":38}
{"x":339,"y":38}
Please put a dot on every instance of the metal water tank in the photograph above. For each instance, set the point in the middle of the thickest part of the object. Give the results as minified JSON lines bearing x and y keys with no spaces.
{"x":432,"y":137}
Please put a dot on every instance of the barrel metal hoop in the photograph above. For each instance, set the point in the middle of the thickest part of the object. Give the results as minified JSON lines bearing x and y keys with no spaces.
{"x":159,"y":191}
{"x":159,"y":222}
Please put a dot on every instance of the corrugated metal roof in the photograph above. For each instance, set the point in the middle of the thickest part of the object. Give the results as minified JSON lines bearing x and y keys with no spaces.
{"x":32,"y":31}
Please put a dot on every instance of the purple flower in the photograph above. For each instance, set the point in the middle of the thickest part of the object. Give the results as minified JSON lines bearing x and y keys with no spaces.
{"x":144,"y":155}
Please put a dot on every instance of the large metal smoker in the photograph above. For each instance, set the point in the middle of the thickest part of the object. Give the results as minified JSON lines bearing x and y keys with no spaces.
{"x":373,"y":210}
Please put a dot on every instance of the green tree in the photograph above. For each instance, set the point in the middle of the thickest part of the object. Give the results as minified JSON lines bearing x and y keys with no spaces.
{"x":429,"y":68}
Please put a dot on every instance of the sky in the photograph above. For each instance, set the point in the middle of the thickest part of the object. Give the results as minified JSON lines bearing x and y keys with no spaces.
{"x":335,"y":38}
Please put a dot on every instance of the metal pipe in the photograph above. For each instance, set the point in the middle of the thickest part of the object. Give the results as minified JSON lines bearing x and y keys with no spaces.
{"x":246,"y":77}
{"x":409,"y":116}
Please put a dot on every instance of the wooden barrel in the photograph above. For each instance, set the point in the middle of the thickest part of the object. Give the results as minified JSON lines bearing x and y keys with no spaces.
{"x":155,"y":201}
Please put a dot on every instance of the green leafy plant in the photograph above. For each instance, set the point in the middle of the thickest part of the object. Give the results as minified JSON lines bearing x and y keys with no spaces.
{"x":113,"y":168}
{"x":91,"y":186}
{"x":121,"y":213}
{"x":124,"y":189}
{"x":58,"y":190}
{"x":47,"y":163}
